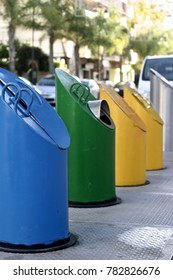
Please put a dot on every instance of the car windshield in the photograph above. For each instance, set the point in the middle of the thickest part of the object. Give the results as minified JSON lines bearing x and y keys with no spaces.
{"x":47,"y":81}
{"x":164,"y":66}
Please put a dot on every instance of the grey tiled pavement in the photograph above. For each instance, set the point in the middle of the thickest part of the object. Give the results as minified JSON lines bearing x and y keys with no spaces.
{"x":139,"y":228}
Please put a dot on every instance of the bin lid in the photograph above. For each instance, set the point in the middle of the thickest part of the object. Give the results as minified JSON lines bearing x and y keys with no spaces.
{"x":144,"y":103}
{"x":73,"y":86}
{"x":122,"y":104}
{"x":39,"y":110}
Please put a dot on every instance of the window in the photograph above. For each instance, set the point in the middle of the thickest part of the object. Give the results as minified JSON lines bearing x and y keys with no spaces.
{"x":164,"y":66}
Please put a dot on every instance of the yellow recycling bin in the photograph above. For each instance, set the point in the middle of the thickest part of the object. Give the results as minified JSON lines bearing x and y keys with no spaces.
{"x":154,"y":125}
{"x":130,"y":136}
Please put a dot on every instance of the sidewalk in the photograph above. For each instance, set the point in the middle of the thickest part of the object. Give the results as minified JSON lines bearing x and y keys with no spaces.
{"x":140,"y":228}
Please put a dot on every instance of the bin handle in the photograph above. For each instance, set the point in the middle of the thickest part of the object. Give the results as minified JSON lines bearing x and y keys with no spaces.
{"x":22,"y":104}
{"x":6,"y":87}
{"x":19,"y":81}
{"x":17,"y":99}
{"x":75,"y":89}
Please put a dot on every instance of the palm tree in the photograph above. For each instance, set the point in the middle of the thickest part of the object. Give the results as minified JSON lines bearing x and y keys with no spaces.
{"x":11,"y":10}
{"x":110,"y":37}
{"x":53,"y":14}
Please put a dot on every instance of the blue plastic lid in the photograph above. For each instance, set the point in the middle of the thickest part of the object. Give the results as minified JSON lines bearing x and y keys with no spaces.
{"x":37,"y":107}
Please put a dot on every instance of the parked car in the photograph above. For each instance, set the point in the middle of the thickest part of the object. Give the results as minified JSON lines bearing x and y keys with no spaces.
{"x":47,"y":87}
{"x":26,"y":81}
{"x":163,"y":64}
{"x":93,"y":86}
{"x":30,"y":84}
{"x":119,"y":87}
{"x":106,"y":82}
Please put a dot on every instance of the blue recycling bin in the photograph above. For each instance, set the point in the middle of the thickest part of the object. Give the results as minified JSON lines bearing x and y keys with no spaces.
{"x":33,"y":171}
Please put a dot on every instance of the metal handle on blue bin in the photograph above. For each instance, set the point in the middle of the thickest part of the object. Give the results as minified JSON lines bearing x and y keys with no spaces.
{"x":75,"y":89}
{"x":19,"y":81}
{"x":16,"y":98}
{"x":20,"y":103}
{"x":6,"y":87}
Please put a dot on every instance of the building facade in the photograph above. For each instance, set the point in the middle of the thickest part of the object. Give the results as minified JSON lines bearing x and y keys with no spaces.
{"x":92,"y":67}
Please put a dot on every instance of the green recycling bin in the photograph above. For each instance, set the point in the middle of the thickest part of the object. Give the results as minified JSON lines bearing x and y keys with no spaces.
{"x":91,"y":162}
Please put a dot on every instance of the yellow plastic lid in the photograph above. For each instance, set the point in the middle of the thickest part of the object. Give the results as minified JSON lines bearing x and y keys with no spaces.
{"x":146,"y":104}
{"x":122,"y":104}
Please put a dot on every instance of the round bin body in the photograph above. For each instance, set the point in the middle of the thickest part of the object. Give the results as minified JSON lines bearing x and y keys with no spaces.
{"x":130,"y":151}
{"x":33,"y":177}
{"x":91,"y":153}
{"x":154,"y":125}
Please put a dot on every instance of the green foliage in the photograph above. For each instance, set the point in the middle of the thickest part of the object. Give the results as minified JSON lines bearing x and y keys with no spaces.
{"x":4,"y":61}
{"x":148,"y":36}
{"x":53,"y":16}
{"x":31,"y":14}
{"x":108,"y":33}
{"x":53,"y":23}
{"x":79,"y":29}
{"x":24,"y":55}
{"x":153,"y":43}
{"x":146,"y":14}
{"x":3,"y":51}
{"x":101,"y":33}
{"x":11,"y":11}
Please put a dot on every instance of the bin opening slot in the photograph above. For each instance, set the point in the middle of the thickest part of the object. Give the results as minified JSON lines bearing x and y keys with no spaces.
{"x":105,"y":118}
{"x":101,"y":111}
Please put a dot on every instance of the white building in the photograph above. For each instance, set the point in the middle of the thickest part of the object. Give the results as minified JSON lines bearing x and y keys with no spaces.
{"x":89,"y":67}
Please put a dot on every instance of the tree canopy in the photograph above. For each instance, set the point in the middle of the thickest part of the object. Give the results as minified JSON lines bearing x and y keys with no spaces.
{"x":103,"y":33}
{"x":147,"y":33}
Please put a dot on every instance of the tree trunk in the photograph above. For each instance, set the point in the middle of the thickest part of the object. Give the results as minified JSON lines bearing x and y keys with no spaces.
{"x":11,"y":31}
{"x":77,"y":61}
{"x":121,"y":68}
{"x":51,"y":52}
{"x":65,"y":53}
